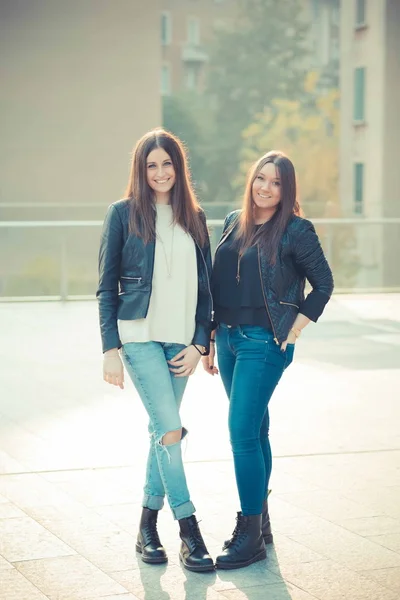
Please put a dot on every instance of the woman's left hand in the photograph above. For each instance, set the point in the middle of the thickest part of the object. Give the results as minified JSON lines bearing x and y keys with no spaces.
{"x":291,"y":339}
{"x":185,"y":362}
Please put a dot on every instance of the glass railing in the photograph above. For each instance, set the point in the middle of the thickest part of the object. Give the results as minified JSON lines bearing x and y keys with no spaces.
{"x":58,"y":259}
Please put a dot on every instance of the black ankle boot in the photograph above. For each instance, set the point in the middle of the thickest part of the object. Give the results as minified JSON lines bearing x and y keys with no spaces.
{"x":193,"y":553}
{"x":148,"y":543}
{"x":246,"y":545}
{"x":265,"y":527}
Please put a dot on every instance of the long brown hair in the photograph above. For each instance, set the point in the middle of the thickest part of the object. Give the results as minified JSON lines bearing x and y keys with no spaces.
{"x":185,"y":207}
{"x":270,"y":234}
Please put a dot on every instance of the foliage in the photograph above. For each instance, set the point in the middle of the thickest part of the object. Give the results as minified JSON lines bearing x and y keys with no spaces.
{"x":253,"y":62}
{"x":308,"y":134}
{"x":188,"y":116}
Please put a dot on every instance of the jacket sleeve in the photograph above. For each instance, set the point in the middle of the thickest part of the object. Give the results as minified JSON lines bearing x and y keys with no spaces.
{"x":202,"y":331}
{"x":226,"y":221}
{"x":310,"y":260}
{"x":230,"y":218}
{"x":109,"y":268}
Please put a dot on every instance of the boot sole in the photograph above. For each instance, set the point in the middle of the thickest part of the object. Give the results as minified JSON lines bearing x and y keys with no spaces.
{"x":151,"y":561}
{"x":238,"y":565}
{"x":199,"y":569}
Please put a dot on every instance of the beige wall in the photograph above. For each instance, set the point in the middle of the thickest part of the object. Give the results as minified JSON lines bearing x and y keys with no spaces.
{"x":81,"y":82}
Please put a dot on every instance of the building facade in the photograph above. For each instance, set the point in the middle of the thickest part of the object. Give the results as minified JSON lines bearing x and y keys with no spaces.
{"x":80,"y":84}
{"x":324,"y":38}
{"x":369,"y":143}
{"x":188,"y":27}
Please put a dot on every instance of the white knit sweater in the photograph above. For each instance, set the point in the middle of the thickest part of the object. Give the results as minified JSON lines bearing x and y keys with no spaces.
{"x":173,"y":301}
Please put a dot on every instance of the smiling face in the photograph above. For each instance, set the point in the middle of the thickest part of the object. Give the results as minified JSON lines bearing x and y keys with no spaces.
{"x":160,"y":174}
{"x":266,"y":192}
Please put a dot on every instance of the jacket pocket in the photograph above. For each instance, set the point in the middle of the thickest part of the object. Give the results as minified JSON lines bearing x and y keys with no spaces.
{"x":288,"y":304}
{"x":131,"y":285}
{"x":138,"y":279}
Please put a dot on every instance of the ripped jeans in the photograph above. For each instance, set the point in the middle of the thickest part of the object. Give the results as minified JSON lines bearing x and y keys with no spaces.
{"x":161,"y":394}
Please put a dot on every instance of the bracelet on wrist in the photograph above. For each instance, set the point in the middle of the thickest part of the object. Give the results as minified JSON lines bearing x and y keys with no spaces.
{"x":296,"y":331}
{"x":199,"y":351}
{"x":212,"y":341}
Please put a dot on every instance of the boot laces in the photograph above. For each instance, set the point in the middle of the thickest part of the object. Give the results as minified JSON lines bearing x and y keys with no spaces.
{"x":195,"y":535}
{"x":239,"y":532}
{"x":151,"y":530}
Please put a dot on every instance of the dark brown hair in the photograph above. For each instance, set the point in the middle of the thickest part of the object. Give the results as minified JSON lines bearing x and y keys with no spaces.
{"x":185,"y":207}
{"x":271,"y":233}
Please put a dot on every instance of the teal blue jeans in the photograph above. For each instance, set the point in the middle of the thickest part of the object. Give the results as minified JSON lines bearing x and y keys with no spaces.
{"x":161,"y":394}
{"x":251,"y":365}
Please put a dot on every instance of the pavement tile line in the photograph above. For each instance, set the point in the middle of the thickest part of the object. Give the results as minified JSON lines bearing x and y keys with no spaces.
{"x":189,"y":462}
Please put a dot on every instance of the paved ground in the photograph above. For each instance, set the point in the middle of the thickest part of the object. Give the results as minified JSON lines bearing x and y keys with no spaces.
{"x":72,"y":452}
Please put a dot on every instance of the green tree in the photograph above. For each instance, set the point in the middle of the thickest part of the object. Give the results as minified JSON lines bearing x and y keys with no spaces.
{"x":258,"y":59}
{"x":309,"y":134}
{"x":187,"y":115}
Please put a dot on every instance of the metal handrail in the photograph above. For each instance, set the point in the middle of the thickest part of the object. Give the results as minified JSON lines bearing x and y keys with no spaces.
{"x":211,"y":222}
{"x":217,"y":222}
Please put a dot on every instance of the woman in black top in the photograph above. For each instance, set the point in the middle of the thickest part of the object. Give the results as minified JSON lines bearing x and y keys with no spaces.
{"x":266,"y":253}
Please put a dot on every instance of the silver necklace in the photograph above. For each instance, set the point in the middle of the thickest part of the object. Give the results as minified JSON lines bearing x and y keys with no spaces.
{"x":168,"y":263}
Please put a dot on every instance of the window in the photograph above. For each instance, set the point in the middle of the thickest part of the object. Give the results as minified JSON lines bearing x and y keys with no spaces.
{"x":191,"y":78}
{"x":193,"y":31}
{"x":359,"y":94}
{"x":165,"y":80}
{"x":315,"y":9}
{"x":358,"y":188}
{"x":335,"y":13}
{"x":165,"y":29}
{"x":360,"y":13}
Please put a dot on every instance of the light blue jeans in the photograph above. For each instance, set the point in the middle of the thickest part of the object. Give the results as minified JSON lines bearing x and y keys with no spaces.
{"x":161,"y":394}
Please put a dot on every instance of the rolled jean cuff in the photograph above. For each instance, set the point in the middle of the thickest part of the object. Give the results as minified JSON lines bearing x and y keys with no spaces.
{"x":153,"y":502}
{"x":183,"y":511}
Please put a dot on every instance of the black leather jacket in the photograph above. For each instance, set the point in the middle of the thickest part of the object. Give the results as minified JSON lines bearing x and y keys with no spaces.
{"x":125,"y":278}
{"x":300,"y":257}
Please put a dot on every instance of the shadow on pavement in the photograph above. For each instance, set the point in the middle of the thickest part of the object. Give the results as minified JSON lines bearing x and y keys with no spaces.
{"x":362,"y":345}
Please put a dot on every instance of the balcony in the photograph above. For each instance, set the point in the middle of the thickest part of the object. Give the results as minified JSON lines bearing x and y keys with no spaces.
{"x":192,"y":53}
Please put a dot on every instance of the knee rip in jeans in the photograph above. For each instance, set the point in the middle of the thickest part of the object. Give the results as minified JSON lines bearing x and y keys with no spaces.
{"x":172,"y":438}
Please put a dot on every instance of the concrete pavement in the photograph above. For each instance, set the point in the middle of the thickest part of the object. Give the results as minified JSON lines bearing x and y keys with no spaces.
{"x":72,"y":455}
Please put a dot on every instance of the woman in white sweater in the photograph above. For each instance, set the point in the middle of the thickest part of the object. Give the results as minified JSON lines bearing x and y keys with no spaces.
{"x":155,"y":310}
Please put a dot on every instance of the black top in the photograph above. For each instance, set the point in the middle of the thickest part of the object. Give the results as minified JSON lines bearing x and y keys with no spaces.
{"x":238,"y":300}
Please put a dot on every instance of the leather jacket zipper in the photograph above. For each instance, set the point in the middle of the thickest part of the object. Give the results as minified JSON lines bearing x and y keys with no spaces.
{"x":151,"y":278}
{"x":265,"y":299}
{"x":288,"y":304}
{"x":208,"y":280}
